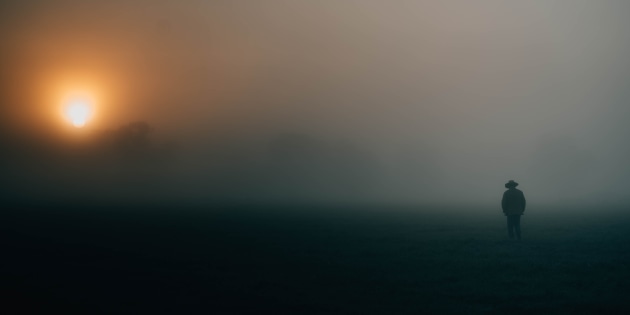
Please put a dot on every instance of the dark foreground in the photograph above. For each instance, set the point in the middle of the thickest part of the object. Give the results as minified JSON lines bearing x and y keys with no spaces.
{"x":322,"y":261}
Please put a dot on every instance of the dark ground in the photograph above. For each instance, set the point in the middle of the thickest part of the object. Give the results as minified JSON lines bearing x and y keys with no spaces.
{"x":312,"y":261}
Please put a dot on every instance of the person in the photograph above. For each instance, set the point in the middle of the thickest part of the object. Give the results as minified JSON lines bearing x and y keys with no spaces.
{"x":513,"y":204}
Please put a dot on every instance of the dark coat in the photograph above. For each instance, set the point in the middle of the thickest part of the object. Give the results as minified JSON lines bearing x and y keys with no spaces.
{"x":513,"y":202}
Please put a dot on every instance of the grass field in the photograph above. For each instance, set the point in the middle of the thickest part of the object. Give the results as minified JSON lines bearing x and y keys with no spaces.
{"x":314,"y":261}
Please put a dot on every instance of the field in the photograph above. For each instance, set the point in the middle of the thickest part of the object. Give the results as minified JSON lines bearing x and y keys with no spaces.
{"x":307,"y":260}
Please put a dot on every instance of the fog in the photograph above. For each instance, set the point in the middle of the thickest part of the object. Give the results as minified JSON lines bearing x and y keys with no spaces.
{"x":414,"y":102}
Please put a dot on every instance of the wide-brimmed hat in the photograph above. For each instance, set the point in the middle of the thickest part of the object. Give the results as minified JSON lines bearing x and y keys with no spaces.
{"x":511,"y":184}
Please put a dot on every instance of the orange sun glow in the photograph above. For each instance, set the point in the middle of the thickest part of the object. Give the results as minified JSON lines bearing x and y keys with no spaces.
{"x":78,"y":110}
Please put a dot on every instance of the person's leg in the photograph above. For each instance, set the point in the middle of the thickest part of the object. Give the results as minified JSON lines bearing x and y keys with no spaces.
{"x":517,"y":226}
{"x":510,"y":226}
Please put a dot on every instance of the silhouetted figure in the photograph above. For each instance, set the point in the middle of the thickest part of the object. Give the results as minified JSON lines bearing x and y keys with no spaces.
{"x":513,"y":204}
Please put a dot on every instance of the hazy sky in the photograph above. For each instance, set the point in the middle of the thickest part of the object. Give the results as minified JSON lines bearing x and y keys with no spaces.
{"x":436,"y":101}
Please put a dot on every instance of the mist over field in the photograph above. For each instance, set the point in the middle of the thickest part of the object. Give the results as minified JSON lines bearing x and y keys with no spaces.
{"x":314,"y":157}
{"x":359,"y":101}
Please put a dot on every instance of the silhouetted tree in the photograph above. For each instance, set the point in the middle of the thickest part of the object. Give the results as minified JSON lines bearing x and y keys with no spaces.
{"x":128,"y":141}
{"x":134,"y":137}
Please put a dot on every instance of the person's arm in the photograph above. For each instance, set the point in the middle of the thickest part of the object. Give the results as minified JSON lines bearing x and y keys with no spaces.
{"x":503,"y":202}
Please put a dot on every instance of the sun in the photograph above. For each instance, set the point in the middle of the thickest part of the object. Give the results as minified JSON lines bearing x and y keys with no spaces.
{"x":78,"y":109}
